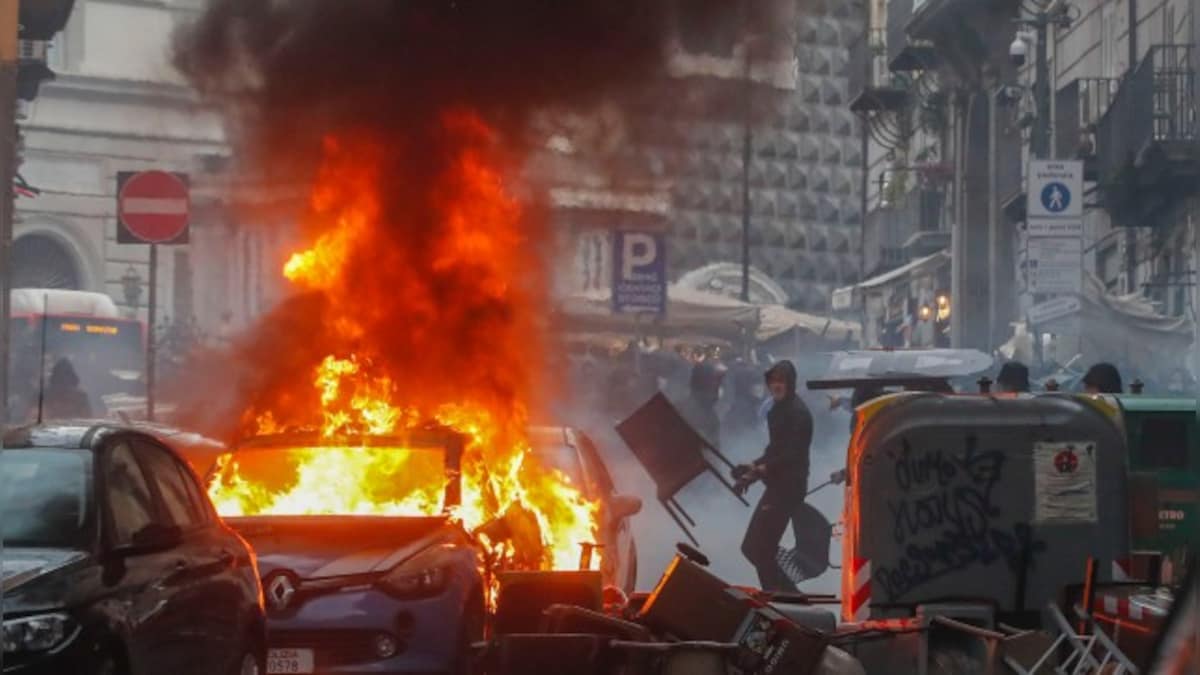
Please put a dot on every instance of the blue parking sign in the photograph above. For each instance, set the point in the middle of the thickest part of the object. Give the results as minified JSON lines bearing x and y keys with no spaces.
{"x":639,"y":272}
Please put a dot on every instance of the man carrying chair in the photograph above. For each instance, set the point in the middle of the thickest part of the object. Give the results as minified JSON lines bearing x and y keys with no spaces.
{"x":783,"y":469}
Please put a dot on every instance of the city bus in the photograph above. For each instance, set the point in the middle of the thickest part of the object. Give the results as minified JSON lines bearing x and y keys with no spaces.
{"x":106,"y":349}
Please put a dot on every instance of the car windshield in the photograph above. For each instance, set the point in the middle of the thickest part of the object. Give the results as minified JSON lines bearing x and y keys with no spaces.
{"x":558,"y":456}
{"x":45,"y":496}
{"x":296,"y":481}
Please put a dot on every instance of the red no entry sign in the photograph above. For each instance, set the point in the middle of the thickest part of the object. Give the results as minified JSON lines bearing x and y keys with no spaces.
{"x":153,"y":207}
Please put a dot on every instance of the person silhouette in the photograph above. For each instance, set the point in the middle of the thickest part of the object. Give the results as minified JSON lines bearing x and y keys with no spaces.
{"x":64,"y":399}
{"x":1056,"y":199}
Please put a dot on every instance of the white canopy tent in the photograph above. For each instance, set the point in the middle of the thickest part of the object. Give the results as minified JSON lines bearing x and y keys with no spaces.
{"x":698,"y":314}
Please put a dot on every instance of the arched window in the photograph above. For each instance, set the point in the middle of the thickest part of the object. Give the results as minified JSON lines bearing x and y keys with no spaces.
{"x":39,"y":261}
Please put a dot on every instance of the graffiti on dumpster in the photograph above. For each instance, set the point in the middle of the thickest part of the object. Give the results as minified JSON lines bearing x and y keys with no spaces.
{"x":944,"y":518}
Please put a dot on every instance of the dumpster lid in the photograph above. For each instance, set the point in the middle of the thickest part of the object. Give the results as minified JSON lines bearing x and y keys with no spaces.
{"x":900,"y":367}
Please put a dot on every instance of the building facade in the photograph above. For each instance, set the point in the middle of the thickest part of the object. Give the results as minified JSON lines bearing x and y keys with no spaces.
{"x":687,"y":146}
{"x":118,"y":105}
{"x":944,"y":103}
{"x":1124,"y":77}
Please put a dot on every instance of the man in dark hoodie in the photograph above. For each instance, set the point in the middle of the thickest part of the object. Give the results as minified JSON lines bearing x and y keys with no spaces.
{"x":783,"y":469}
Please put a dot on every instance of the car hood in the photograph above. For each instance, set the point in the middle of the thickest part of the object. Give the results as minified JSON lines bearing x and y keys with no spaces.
{"x":317,"y":547}
{"x":23,"y":565}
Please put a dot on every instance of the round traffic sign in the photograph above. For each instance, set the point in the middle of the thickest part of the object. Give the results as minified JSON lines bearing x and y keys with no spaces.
{"x":154,"y":206}
{"x":1056,"y":197}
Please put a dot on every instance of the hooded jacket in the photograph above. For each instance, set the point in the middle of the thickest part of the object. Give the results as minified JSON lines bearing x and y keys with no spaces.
{"x":790,"y":428}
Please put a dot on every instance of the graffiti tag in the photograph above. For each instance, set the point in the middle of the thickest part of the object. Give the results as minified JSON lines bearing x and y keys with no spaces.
{"x":945,"y":519}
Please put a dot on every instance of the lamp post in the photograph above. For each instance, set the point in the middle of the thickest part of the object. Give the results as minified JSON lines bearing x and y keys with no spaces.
{"x":747,"y":159}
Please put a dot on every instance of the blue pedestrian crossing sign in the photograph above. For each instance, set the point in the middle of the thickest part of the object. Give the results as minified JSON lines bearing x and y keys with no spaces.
{"x":1054,"y":190}
{"x":1056,"y":197}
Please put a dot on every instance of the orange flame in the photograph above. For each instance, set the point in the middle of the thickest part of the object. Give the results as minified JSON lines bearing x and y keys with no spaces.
{"x":393,"y":334}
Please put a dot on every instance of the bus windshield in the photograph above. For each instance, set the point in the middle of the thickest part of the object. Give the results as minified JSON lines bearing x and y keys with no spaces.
{"x":106,"y":354}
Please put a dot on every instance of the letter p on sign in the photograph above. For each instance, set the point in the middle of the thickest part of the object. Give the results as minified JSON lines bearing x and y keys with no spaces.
{"x":639,"y":272}
{"x":640,"y":250}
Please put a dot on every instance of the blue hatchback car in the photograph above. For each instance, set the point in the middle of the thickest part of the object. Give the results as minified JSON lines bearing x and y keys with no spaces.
{"x":350,"y":594}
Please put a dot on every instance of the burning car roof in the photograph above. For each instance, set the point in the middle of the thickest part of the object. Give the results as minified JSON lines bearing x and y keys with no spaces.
{"x":426,"y":437}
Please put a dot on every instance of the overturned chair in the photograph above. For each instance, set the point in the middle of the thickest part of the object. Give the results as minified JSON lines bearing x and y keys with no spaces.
{"x":673,"y":453}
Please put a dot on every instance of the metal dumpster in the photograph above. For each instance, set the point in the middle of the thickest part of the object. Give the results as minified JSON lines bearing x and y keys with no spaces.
{"x":995,"y":499}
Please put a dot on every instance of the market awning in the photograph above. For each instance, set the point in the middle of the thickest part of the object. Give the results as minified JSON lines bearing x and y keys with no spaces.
{"x":688,"y":312}
{"x":777,"y":319}
{"x":904,"y":271}
{"x":697,"y":313}
{"x":1125,"y":329}
{"x":843,"y":298}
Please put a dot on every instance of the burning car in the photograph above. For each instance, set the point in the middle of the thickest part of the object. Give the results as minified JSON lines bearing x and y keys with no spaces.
{"x":380,"y":579}
{"x":572,"y":452}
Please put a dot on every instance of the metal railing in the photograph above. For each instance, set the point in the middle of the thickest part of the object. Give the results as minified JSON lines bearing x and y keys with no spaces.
{"x":1079,"y":108}
{"x":1165,"y":78}
{"x":1174,"y":85}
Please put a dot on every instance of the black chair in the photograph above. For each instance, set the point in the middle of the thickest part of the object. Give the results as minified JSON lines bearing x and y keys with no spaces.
{"x":673,"y":453}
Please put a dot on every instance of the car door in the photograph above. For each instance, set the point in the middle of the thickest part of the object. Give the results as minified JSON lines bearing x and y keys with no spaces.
{"x":620,"y":554}
{"x":140,"y":579}
{"x":202,"y":584}
{"x":238,"y":577}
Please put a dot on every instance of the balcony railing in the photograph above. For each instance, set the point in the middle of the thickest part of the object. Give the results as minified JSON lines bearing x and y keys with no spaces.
{"x":1167,"y":80}
{"x":1174,"y":93}
{"x":1079,"y":108}
{"x":892,"y":225}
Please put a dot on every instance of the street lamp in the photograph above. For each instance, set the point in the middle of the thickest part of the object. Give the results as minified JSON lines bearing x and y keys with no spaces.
{"x":131,"y":285}
{"x":943,"y":306}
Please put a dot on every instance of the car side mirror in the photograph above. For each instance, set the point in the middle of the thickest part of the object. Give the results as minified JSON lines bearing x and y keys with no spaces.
{"x":153,"y":538}
{"x":624,"y":506}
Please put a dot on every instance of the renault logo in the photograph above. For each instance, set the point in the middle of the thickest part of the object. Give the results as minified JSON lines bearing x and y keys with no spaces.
{"x":280,"y":590}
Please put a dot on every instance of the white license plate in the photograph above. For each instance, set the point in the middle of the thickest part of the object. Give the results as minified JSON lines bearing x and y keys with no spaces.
{"x":289,"y":661}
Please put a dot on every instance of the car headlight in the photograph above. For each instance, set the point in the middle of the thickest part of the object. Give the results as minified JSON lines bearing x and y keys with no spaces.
{"x":37,"y":633}
{"x":405,"y":582}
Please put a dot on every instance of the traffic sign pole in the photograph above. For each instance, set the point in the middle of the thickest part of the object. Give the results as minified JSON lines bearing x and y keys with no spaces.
{"x":1054,"y":236}
{"x":151,"y":339}
{"x":153,"y":207}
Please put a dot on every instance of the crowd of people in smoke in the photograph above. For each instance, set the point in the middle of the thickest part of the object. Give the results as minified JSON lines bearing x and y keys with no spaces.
{"x":721,"y":391}
{"x":718,"y":390}
{"x":1116,"y":378}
